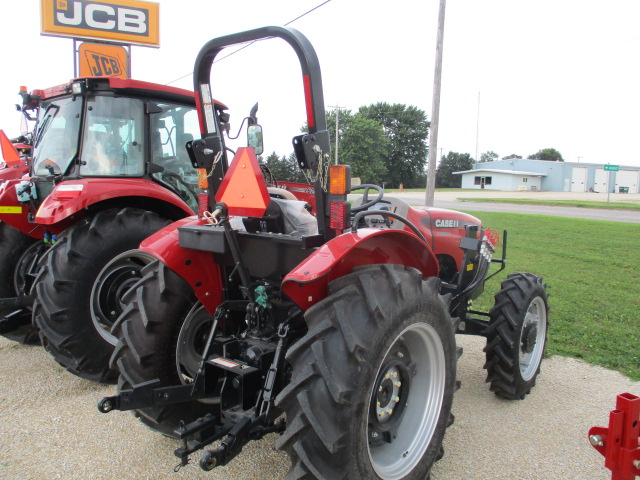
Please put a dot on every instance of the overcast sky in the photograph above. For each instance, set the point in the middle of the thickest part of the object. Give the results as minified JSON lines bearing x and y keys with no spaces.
{"x":551,"y":73}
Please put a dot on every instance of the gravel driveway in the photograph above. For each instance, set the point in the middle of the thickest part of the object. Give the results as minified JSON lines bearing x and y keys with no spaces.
{"x":51,"y":428}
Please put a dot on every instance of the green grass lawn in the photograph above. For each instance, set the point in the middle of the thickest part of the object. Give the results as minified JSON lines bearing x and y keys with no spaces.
{"x":592,"y":272}
{"x":558,"y":203}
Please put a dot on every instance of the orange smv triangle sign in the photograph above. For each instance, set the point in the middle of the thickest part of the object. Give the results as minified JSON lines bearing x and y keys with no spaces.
{"x":243,"y":190}
{"x":9,"y":152}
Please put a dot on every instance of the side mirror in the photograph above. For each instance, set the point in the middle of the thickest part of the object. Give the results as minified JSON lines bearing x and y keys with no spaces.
{"x":254,"y":138}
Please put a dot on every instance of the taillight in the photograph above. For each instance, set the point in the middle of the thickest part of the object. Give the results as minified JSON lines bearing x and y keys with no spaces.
{"x":339,"y":179}
{"x":339,"y":215}
{"x":203,"y":203}
{"x":339,"y":187}
{"x":203,"y":180}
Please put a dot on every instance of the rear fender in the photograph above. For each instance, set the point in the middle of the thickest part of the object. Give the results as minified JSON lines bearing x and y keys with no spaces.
{"x":13,"y":172}
{"x":196,"y":267}
{"x":307,"y":283}
{"x":15,"y":213}
{"x":72,"y":196}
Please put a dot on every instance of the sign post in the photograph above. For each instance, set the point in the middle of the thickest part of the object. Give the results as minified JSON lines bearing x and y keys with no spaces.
{"x":610,"y":168}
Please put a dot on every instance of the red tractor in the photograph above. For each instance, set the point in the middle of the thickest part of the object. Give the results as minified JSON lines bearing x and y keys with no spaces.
{"x":14,"y":164}
{"x":109,"y":169}
{"x":345,"y":324}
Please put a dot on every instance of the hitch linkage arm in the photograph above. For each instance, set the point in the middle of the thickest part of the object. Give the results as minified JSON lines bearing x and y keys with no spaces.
{"x":150,"y":394}
{"x":239,"y":431}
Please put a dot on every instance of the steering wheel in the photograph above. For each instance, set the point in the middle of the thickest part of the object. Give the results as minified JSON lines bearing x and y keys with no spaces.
{"x":366,"y":203}
{"x":187,"y":190}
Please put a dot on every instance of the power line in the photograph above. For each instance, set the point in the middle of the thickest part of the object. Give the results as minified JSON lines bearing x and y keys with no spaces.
{"x":306,"y":13}
{"x":254,"y":41}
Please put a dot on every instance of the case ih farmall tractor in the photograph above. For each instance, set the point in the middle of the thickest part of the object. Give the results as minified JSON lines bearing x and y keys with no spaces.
{"x":346,"y":325}
{"x":109,"y":169}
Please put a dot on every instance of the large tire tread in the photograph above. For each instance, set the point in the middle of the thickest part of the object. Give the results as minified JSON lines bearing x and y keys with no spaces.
{"x":147,"y":331}
{"x":503,"y":335}
{"x":63,"y":287}
{"x":324,"y":360}
{"x":13,"y":243}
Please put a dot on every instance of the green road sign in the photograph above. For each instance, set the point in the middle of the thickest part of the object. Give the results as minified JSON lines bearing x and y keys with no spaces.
{"x":611,"y":168}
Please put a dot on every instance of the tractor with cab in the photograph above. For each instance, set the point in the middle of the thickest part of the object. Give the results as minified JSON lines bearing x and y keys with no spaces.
{"x":109,"y":169}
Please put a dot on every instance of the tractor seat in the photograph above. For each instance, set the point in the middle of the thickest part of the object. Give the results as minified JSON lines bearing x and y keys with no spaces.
{"x":289,"y":217}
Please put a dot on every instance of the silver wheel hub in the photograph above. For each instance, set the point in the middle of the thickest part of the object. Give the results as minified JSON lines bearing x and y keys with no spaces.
{"x":406,"y":401}
{"x":532,"y":335}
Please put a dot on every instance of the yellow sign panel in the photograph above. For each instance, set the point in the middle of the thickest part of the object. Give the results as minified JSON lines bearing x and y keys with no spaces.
{"x":124,"y":21}
{"x":10,"y":209}
{"x":99,"y":60}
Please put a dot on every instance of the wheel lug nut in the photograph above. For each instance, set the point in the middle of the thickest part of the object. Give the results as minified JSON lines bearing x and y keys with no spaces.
{"x":397,"y":399}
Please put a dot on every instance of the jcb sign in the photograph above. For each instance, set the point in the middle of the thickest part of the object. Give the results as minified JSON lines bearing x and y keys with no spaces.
{"x":125,"y":21}
{"x":103,"y":61}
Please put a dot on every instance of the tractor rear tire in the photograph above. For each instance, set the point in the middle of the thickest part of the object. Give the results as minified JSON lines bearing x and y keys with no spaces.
{"x":62,"y":309}
{"x":373,"y":379}
{"x":148,"y":331}
{"x":13,"y":244}
{"x":516,"y":336}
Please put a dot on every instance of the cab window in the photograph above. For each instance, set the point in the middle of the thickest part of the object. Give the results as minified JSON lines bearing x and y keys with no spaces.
{"x":171,"y":128}
{"x":113,"y":138}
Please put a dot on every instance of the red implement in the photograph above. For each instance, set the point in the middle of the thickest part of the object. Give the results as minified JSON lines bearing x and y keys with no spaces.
{"x":620,"y":442}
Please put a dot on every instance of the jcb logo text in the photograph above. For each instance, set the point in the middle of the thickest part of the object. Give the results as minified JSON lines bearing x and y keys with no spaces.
{"x":101,"y":16}
{"x":103,"y":65}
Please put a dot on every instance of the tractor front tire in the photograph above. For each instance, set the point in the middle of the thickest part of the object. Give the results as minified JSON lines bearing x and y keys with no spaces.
{"x":13,"y":245}
{"x":373,"y":379}
{"x":148,"y":332}
{"x":516,"y":336}
{"x":62,"y":309}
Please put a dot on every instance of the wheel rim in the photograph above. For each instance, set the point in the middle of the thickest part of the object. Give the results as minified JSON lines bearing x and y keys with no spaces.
{"x":406,"y":401}
{"x":532,"y":336}
{"x":113,"y":281}
{"x":191,"y":342}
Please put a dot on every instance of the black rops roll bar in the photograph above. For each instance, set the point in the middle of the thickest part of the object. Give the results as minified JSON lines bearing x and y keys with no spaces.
{"x":309,"y":148}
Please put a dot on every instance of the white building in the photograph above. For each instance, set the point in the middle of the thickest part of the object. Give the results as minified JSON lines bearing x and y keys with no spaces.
{"x":526,"y":174}
{"x":495,"y":179}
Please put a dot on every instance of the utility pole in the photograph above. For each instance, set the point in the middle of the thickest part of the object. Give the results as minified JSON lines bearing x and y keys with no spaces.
{"x":478,"y":131}
{"x":435,"y":111}
{"x":337,"y":109}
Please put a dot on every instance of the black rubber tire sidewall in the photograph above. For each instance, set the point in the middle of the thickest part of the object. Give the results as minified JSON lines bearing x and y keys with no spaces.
{"x":335,"y":364}
{"x":64,"y":284}
{"x":147,"y":330}
{"x":503,"y":335}
{"x":13,"y":243}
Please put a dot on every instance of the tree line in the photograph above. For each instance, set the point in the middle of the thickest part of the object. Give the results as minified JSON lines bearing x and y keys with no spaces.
{"x":387,"y":144}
